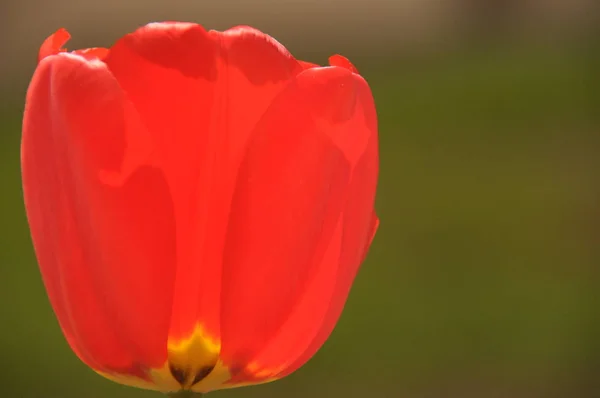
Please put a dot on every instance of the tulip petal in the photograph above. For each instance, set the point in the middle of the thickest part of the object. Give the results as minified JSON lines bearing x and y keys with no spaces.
{"x":358,"y":229}
{"x":358,"y":226}
{"x":342,"y":62}
{"x":36,"y":143}
{"x":54,"y":43}
{"x":296,"y":184}
{"x":200,"y":93}
{"x":101,"y":216}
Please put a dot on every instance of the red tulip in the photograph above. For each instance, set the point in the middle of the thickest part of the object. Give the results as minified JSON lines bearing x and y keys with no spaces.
{"x":199,"y":202}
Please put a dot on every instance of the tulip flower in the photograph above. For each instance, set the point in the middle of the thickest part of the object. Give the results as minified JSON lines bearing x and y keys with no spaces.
{"x":199,"y":202}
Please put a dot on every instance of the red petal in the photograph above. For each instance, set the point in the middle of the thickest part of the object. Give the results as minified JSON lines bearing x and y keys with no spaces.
{"x":101,"y":219}
{"x":342,"y":62}
{"x":359,"y":224}
{"x":53,"y":44}
{"x":359,"y":227}
{"x":200,"y":93}
{"x":287,"y":240}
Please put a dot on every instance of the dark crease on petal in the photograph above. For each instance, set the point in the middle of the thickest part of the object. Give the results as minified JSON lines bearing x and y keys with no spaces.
{"x":190,"y":50}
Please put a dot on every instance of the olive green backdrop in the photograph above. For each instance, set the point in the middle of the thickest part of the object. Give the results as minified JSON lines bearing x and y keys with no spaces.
{"x":483,"y":279}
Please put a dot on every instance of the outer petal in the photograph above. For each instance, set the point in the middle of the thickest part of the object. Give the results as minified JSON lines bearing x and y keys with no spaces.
{"x":305,"y":191}
{"x":201,"y":94}
{"x":358,"y":225}
{"x":358,"y":230}
{"x":101,"y":219}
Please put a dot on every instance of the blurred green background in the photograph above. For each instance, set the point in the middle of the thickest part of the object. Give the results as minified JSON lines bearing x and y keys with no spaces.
{"x":483,"y":279}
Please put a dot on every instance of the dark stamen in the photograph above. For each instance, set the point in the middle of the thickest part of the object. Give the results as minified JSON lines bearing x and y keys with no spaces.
{"x":179,"y":374}
{"x":202,"y":373}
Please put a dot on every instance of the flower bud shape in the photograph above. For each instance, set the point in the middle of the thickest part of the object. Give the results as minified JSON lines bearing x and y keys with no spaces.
{"x":199,"y":202}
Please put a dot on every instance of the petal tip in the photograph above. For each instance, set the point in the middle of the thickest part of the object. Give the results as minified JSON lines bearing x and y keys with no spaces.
{"x":54,"y":43}
{"x":343,"y":62}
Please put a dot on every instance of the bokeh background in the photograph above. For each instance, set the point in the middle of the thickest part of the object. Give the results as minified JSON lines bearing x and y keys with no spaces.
{"x":483,"y":279}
